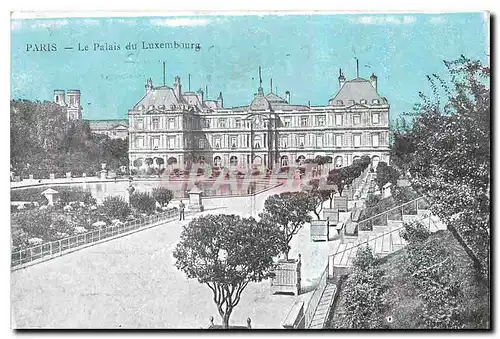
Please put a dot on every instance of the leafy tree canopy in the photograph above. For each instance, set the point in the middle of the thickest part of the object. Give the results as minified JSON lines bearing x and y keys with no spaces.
{"x":226,"y":252}
{"x":447,"y":153}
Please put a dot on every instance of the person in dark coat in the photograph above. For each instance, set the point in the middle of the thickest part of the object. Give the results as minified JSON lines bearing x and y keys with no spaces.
{"x":181,"y":210}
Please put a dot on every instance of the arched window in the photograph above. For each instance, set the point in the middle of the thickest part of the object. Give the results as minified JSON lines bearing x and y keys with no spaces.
{"x":217,"y":161}
{"x":257,"y":161}
{"x":233,"y":160}
{"x":256,"y":142}
{"x":301,"y":159}
{"x":284,"y":161}
{"x":339,"y":161}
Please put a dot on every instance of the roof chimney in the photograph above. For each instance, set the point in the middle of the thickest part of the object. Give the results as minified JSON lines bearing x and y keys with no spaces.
{"x":220,"y":101}
{"x":341,"y":78}
{"x":149,"y":85}
{"x":287,"y":96}
{"x":373,"y":81}
{"x":177,"y":87}
{"x":199,"y":94}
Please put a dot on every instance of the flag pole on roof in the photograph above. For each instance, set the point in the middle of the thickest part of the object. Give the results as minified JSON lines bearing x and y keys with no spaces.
{"x":357,"y":68}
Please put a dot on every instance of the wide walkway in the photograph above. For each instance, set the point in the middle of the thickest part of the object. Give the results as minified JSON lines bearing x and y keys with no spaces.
{"x":132,"y":282}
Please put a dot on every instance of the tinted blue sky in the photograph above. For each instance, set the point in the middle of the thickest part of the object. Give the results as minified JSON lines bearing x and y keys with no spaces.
{"x":302,"y":54}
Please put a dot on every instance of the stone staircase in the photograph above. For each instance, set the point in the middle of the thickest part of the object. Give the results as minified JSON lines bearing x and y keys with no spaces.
{"x":323,"y":309}
{"x":382,"y":239}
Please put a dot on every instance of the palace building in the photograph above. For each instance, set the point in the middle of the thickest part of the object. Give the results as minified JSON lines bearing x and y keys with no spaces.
{"x":182,"y":127}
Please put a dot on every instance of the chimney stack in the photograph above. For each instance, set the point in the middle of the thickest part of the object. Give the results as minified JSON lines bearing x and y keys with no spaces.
{"x":373,"y":81}
{"x":341,"y":78}
{"x":287,"y":96}
{"x":220,"y":101}
{"x":177,"y":87}
{"x":199,"y":94}
{"x":149,"y":85}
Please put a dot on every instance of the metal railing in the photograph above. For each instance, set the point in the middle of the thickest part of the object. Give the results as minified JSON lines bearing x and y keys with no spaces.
{"x":60,"y":247}
{"x":313,"y":303}
{"x":399,"y":208}
{"x":372,"y":240}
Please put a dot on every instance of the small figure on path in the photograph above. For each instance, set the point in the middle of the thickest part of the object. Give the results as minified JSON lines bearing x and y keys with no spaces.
{"x":181,"y":211}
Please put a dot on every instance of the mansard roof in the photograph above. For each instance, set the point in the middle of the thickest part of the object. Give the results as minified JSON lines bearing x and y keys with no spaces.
{"x":160,"y":96}
{"x":274,"y":98}
{"x":356,"y":90}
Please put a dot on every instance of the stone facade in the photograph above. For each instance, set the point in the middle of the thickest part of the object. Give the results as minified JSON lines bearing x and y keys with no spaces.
{"x":181,"y":127}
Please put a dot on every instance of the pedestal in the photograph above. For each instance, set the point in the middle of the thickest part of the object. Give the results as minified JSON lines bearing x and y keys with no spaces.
{"x":195,"y":203}
{"x":103,"y":174}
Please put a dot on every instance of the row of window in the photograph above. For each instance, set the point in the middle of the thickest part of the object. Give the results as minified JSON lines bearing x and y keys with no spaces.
{"x":261,"y":142}
{"x":305,"y":121}
{"x":362,"y":101}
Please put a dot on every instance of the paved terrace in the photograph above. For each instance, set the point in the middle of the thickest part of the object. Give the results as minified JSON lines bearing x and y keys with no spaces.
{"x":132,"y":282}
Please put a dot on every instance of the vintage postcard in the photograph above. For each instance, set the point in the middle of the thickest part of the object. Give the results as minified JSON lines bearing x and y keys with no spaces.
{"x":243,"y":171}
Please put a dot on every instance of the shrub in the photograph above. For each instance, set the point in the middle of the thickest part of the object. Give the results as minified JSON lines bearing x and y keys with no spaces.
{"x":35,"y":223}
{"x":143,"y":202}
{"x":69,"y":194}
{"x":433,"y":274}
{"x":29,"y":194}
{"x":372,"y":200}
{"x":364,"y":258}
{"x":115,"y":208}
{"x":163,"y":195}
{"x":365,"y":290}
{"x":414,"y":232}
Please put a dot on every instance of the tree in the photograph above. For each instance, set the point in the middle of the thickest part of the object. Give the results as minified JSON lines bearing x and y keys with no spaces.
{"x":447,"y":152}
{"x":160,"y":161}
{"x":385,"y":174}
{"x":320,"y":193}
{"x":290,"y":211}
{"x":162,"y":195}
{"x":41,"y":134}
{"x":115,"y":207}
{"x":344,"y":176}
{"x":226,"y":253}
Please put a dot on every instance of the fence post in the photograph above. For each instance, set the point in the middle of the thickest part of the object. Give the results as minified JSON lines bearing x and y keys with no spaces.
{"x":31,"y":253}
{"x":99,"y":233}
{"x":50,"y":248}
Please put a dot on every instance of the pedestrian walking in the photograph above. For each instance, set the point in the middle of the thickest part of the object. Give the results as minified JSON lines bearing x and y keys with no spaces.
{"x":181,"y":211}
